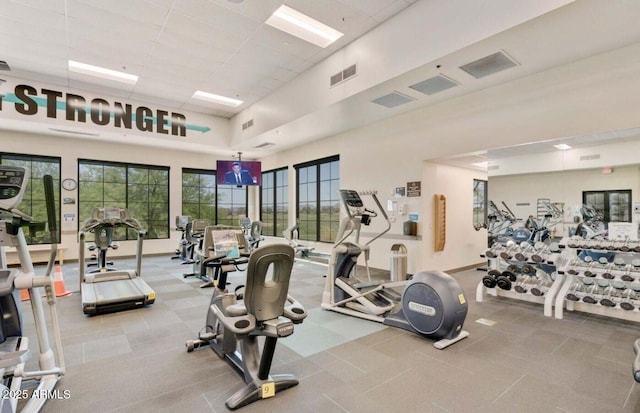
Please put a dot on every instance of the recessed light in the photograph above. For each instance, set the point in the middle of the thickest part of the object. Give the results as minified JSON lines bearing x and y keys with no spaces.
{"x":562,"y":146}
{"x":302,"y":26}
{"x":221,"y":100}
{"x":101,"y":72}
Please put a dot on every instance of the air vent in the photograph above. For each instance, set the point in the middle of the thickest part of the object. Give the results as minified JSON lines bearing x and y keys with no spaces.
{"x":589,"y":157}
{"x":489,"y":65}
{"x":247,"y":124}
{"x":264,"y":145}
{"x":343,"y":75}
{"x":349,"y":72}
{"x":335,"y":79}
{"x":493,"y":167}
{"x":4,"y":65}
{"x":392,"y":100}
{"x":434,"y":85}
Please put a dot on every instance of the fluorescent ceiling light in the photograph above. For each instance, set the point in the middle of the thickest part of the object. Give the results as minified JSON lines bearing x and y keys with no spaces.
{"x":222,"y":100}
{"x":102,"y":72}
{"x":562,"y":146}
{"x":300,"y":25}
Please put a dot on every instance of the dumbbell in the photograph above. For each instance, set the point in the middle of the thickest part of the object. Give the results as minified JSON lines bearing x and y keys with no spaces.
{"x":634,"y":267}
{"x":506,"y":254}
{"x":617,"y":264}
{"x":491,"y":278}
{"x":576,"y":291}
{"x":505,"y":280}
{"x":529,"y":275}
{"x":609,"y":295}
{"x":590,"y":263}
{"x":592,"y":293}
{"x":525,"y":248}
{"x":629,"y":295}
{"x":595,"y":291}
{"x":494,"y":250}
{"x":542,"y":249}
{"x":625,"y":247}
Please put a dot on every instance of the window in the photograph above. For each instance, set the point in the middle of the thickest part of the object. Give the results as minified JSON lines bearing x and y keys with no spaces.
{"x":274,"y":202}
{"x":199,"y":194}
{"x":33,"y":203}
{"x":231,"y":205}
{"x":479,"y":203}
{"x":610,"y":206}
{"x":318,"y":202}
{"x":142,"y":189}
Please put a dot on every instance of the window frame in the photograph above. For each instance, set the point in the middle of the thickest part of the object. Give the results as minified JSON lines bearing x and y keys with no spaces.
{"x":276,"y":224}
{"x":482,"y":206}
{"x":606,"y":210}
{"x":22,"y":157}
{"x":318,"y":200}
{"x":127,"y":235}
{"x":209,"y":172}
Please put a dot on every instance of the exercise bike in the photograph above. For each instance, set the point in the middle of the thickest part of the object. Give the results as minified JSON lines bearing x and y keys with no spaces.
{"x":24,"y":390}
{"x":233,"y":327}
{"x":184,"y":225}
{"x":431,"y":304}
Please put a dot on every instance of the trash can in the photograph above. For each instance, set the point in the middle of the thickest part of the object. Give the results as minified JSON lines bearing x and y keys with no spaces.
{"x":398,"y":268}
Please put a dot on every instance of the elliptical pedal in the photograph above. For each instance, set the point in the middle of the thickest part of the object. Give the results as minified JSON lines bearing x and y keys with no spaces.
{"x":390,"y":294}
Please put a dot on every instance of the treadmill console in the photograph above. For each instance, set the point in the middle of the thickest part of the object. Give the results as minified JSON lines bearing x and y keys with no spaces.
{"x":13,"y":183}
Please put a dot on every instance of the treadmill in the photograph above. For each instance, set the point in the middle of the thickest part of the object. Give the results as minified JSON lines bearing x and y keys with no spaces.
{"x":106,"y":290}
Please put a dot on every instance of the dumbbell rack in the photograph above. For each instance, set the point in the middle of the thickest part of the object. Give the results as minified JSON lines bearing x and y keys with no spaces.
{"x":575,"y":269}
{"x":499,"y":263}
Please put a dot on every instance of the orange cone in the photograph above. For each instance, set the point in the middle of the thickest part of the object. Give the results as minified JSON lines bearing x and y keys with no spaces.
{"x":24,"y":295}
{"x":58,"y":283}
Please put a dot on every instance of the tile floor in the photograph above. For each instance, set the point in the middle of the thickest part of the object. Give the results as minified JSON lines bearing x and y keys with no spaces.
{"x":135,"y":361}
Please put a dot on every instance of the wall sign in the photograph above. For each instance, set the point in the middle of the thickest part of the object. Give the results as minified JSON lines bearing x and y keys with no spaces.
{"x":29,"y":101}
{"x":414,"y":188}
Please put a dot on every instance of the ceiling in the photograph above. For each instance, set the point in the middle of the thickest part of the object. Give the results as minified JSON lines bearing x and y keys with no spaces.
{"x":225,"y":47}
{"x":175,"y":46}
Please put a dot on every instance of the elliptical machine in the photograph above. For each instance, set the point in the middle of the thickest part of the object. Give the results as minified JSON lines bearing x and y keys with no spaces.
{"x":233,"y":327}
{"x":14,"y":347}
{"x":431,"y":304}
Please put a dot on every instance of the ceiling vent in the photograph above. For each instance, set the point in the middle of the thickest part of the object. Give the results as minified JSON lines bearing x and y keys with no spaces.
{"x":264,"y":145}
{"x":393,"y":99}
{"x":343,"y":75}
{"x":493,"y":167}
{"x":247,"y":124}
{"x":434,"y":85}
{"x":489,"y":65}
{"x":4,"y":65}
{"x":589,"y":157}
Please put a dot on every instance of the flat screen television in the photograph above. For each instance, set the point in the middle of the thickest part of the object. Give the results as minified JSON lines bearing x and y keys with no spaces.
{"x":238,"y":173}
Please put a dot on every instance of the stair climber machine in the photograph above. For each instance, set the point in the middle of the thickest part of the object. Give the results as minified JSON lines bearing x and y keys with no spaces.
{"x":22,"y":390}
{"x":107,"y":289}
{"x":430,"y":304}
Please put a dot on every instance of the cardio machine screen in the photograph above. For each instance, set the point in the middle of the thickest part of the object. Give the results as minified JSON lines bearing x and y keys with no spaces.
{"x":352,"y":198}
{"x":10,"y":182}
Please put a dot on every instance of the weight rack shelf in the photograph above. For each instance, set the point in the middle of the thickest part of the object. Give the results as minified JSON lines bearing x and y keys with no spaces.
{"x":497,"y":262}
{"x":574,"y":270}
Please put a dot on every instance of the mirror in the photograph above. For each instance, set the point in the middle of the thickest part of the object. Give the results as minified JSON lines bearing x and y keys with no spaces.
{"x":576,"y":185}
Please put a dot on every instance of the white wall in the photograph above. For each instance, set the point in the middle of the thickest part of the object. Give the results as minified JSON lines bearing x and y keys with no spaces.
{"x":366,"y":166}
